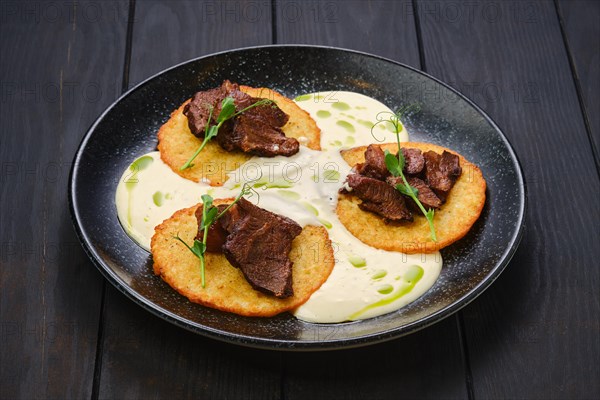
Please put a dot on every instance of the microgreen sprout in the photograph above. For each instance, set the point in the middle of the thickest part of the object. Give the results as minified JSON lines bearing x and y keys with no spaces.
{"x":210,"y":214}
{"x":227,"y":112}
{"x":395,"y":163}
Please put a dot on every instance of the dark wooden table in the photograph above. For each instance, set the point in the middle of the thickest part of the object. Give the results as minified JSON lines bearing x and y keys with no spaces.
{"x":532,"y":65}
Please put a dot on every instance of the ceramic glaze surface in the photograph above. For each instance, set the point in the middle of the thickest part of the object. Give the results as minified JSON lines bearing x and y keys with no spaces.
{"x":128,"y":129}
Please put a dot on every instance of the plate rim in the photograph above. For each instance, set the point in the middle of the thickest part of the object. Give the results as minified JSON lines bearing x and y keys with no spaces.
{"x":296,"y":345}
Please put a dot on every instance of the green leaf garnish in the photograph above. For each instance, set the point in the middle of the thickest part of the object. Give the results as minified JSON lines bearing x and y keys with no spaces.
{"x":207,"y":199}
{"x":198,"y":248}
{"x":227,"y":113}
{"x":227,"y":109}
{"x":208,"y":131}
{"x":407,"y":191}
{"x":395,"y":164}
{"x":210,"y":214}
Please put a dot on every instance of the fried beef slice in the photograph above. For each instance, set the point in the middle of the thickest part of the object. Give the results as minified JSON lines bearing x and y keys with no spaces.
{"x":259,"y":244}
{"x":441,"y":171}
{"x":252,"y":135}
{"x":426,"y":196}
{"x":382,"y":198}
{"x":379,"y":197}
{"x":413,"y":161}
{"x":374,"y":165}
{"x":256,"y":241}
{"x":198,"y":109}
{"x":256,"y":131}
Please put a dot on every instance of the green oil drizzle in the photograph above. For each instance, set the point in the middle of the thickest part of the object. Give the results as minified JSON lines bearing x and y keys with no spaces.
{"x":279,"y":183}
{"x":411,"y":278}
{"x":414,"y":274}
{"x":346,"y":125}
{"x":379,"y":274}
{"x":365,"y":123}
{"x":289,"y":195}
{"x":357,"y":262}
{"x":141,"y":163}
{"x":350,"y":141}
{"x":323,"y":114}
{"x":138,"y":165}
{"x":325,"y":223}
{"x":336,"y":143}
{"x":303,"y":97}
{"x":340,"y":105}
{"x":310,"y":207}
{"x":158,"y":198}
{"x":385,"y":289}
{"x":331,"y":175}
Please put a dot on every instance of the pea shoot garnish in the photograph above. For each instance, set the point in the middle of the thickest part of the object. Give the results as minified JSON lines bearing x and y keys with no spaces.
{"x":227,"y":112}
{"x":210,"y":214}
{"x":395,"y":164}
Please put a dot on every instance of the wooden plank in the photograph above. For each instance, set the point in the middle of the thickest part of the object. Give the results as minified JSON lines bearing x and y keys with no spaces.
{"x":60,"y":60}
{"x":381,"y":27}
{"x":143,"y":356}
{"x":581,"y":28}
{"x":423,"y":365}
{"x":426,"y":364}
{"x":169,"y":32}
{"x":534,"y":334}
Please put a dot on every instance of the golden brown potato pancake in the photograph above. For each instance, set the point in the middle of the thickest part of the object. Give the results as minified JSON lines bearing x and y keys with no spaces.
{"x":177,"y":144}
{"x":226,"y":288}
{"x":452,"y":221}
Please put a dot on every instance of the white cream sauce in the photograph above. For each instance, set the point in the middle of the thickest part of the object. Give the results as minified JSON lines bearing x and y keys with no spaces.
{"x":365,"y":282}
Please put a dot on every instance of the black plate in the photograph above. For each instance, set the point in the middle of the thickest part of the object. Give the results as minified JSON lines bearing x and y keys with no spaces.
{"x":127,"y":129}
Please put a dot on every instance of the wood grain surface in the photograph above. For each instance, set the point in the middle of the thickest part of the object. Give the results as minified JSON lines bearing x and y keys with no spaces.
{"x":580,"y":21}
{"x":60,"y":69}
{"x":166,"y":361}
{"x":532,"y":65}
{"x":535,"y":330}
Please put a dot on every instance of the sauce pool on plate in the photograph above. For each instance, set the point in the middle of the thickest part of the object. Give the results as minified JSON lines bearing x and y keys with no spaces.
{"x":365,"y":282}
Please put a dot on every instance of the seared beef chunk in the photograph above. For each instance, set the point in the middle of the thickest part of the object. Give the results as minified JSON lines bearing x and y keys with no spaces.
{"x":251,"y":135}
{"x":256,"y":131}
{"x":198,"y":109}
{"x":441,"y":171}
{"x":229,"y":219}
{"x":382,"y":198}
{"x":425,"y":195}
{"x":374,"y":165}
{"x":259,"y":243}
{"x":379,"y":197}
{"x":256,"y":241}
{"x":413,"y":161}
{"x":268,"y":114}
